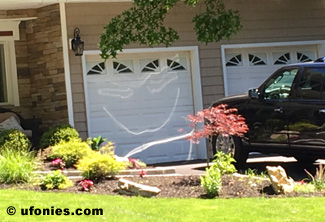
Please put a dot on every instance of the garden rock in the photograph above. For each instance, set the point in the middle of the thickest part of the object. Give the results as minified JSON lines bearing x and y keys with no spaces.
{"x":134,"y":189}
{"x":280,"y":182}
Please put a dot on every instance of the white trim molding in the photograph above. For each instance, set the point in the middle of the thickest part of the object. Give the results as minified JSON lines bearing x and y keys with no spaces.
{"x":65,"y":46}
{"x":10,"y":71}
{"x":12,"y":25}
{"x":319,"y":43}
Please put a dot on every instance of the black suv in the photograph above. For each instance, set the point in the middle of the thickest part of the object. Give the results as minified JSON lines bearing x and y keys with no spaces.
{"x":285,"y":115}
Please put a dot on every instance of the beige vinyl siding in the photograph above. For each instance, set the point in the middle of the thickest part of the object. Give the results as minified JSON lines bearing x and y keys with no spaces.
{"x":263,"y":21}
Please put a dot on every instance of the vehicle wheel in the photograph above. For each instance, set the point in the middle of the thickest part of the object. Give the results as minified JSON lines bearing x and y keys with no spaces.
{"x":230,"y":144}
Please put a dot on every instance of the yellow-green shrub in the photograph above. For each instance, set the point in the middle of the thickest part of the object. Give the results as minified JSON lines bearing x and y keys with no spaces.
{"x":14,"y":140}
{"x":55,"y":180}
{"x":70,"y":152}
{"x":97,"y":166}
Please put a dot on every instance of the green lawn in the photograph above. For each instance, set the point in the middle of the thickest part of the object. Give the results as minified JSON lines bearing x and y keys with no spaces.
{"x":119,"y":208}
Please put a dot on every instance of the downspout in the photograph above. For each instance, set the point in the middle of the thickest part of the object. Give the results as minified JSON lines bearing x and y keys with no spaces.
{"x":65,"y":49}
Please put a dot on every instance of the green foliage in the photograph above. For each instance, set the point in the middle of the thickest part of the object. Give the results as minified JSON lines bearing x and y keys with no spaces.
{"x":224,"y":163}
{"x":70,"y":152}
{"x":57,"y":133}
{"x":216,"y":22}
{"x":319,"y":179}
{"x":96,"y":142}
{"x":16,"y":166}
{"x":144,"y":23}
{"x":191,"y":3}
{"x":13,"y":139}
{"x":98,"y":166}
{"x":107,"y":148}
{"x":211,"y":182}
{"x":55,"y":180}
{"x":304,"y":188}
{"x":253,"y":173}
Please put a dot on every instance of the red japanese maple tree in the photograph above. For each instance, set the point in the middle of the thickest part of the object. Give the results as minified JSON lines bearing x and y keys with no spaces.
{"x":218,"y":120}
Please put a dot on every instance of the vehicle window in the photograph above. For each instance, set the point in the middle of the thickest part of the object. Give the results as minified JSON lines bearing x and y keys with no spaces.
{"x":279,"y":86}
{"x":311,"y":83}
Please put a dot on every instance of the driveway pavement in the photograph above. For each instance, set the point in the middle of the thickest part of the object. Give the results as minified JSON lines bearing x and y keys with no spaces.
{"x":197,"y":167}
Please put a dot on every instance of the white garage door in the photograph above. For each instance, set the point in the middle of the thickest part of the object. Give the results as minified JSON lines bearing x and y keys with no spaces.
{"x":248,"y":67}
{"x":140,"y":102}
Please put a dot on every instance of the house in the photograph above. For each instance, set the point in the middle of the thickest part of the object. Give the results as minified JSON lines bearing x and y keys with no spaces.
{"x":140,"y":99}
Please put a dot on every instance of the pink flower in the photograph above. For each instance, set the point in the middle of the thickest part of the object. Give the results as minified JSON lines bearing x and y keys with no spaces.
{"x":142,"y":173}
{"x":58,"y":163}
{"x":134,"y":163}
{"x":86,"y":184}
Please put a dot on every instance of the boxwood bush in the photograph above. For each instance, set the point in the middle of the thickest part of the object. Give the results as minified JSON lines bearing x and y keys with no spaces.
{"x":58,"y":133}
{"x":98,"y":166}
{"x":14,"y":140}
{"x":70,"y":151}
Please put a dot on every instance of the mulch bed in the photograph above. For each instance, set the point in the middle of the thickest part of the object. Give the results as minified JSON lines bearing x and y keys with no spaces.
{"x":180,"y":187}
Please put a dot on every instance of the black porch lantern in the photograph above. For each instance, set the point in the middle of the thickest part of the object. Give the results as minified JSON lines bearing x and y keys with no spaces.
{"x":76,"y":43}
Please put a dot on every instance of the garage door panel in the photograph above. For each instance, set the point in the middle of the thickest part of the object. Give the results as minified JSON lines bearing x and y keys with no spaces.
{"x":139,"y":108}
{"x":249,"y":67}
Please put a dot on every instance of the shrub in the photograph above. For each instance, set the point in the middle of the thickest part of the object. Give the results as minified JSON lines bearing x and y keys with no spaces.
{"x":16,"y":166}
{"x":70,"y":152}
{"x":97,"y":166}
{"x":211,"y":182}
{"x":304,"y":188}
{"x":224,"y":163}
{"x":58,"y":133}
{"x":55,"y":180}
{"x":13,"y":139}
{"x":217,"y":120}
{"x":107,"y":147}
{"x":319,"y":179}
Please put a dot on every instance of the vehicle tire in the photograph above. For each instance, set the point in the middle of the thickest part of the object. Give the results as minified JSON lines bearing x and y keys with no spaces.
{"x":231,"y":144}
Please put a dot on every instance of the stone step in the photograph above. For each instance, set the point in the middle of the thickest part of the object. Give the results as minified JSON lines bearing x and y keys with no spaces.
{"x":75,"y":178}
{"x":131,"y":172}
